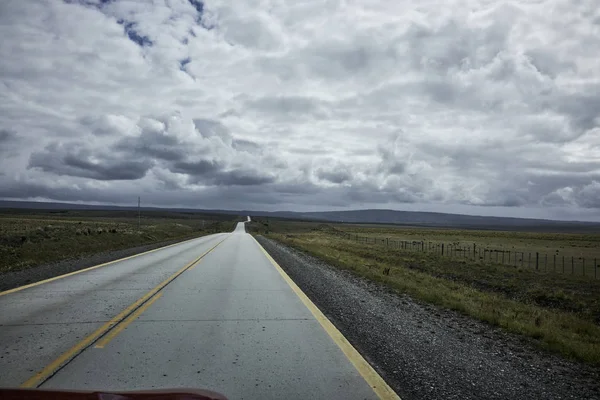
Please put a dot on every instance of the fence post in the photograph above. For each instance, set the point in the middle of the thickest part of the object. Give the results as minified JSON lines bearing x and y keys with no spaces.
{"x":563,"y":271}
{"x":554,"y":265}
{"x":522,"y":259}
{"x":442,"y":248}
{"x":537,"y":260}
{"x":529,"y":261}
{"x":496,"y":256}
{"x":503,"y":256}
{"x":583,"y":266}
{"x":387,"y":242}
{"x":595,"y":269}
{"x":572,"y":266}
{"x":474,"y":249}
{"x":545,"y":262}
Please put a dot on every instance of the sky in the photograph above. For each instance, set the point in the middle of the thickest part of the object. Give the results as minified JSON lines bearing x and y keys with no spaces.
{"x":465,"y":106}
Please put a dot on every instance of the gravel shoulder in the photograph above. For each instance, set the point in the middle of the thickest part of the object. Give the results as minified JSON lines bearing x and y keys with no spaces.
{"x":428,"y":353}
{"x":13,"y":279}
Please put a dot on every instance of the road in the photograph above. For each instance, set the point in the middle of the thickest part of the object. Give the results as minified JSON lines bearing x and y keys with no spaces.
{"x":215,"y":312}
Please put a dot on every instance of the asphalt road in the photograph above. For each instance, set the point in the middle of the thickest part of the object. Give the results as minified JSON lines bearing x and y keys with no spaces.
{"x":213,"y":312}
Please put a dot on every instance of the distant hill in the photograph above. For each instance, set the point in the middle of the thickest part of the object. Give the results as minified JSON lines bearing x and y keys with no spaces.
{"x":433,"y":219}
{"x":373,"y":216}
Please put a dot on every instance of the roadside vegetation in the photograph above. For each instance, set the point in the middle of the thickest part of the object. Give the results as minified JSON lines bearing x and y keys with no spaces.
{"x":34,"y":237}
{"x":558,"y":312}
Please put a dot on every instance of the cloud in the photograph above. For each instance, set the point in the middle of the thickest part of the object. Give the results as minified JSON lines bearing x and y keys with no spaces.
{"x":74,"y":160}
{"x":478,"y":107}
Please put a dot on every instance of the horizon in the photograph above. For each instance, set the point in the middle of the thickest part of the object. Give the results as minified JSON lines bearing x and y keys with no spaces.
{"x":216,"y":210}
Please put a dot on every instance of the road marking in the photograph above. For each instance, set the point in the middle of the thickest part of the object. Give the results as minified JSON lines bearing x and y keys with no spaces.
{"x":74,"y":351}
{"x":117,"y":329}
{"x":373,"y":379}
{"x":90,"y":268}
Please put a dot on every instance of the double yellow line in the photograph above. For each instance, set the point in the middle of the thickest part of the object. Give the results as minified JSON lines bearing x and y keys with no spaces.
{"x":130,"y":313}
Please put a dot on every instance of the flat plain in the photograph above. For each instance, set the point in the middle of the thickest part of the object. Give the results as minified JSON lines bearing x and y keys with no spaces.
{"x":30,"y":238}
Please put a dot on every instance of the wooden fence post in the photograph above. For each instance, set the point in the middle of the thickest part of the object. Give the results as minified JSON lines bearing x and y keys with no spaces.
{"x":554,"y":267}
{"x":442,"y":248}
{"x":522,"y":259}
{"x":572,"y":266}
{"x":537,"y":260}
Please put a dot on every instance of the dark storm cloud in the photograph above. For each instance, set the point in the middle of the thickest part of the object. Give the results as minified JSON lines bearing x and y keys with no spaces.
{"x":71,"y":161}
{"x":210,"y":128}
{"x":196,"y":169}
{"x":210,"y":172}
{"x":7,"y":136}
{"x":583,"y":109}
{"x":9,"y":141}
{"x":246,"y":145}
{"x":152,"y":145}
{"x":336,"y":175}
{"x":241,"y":177}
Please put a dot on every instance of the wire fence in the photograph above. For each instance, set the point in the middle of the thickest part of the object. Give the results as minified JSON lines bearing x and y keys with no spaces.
{"x":539,"y":261}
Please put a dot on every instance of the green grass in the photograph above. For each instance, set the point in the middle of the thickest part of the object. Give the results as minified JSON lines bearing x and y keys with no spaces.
{"x":573,"y":254}
{"x":494,"y":246}
{"x":30,"y":239}
{"x":560,"y":313}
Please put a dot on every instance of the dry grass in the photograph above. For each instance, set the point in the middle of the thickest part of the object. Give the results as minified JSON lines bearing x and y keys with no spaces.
{"x":558,"y":312}
{"x":28,"y":240}
{"x":553,"y":248}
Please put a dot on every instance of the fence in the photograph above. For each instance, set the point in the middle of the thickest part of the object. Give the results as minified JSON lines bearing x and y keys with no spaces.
{"x":540,"y":261}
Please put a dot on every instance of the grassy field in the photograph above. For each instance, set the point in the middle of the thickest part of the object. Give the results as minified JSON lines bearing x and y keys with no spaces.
{"x":33,"y":237}
{"x":558,"y":312}
{"x":575,"y":251}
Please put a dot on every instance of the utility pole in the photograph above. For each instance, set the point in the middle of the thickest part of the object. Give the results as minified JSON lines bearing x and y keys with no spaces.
{"x":139,"y":215}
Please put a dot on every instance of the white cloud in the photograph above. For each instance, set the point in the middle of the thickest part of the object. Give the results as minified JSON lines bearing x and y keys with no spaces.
{"x":312,"y":104}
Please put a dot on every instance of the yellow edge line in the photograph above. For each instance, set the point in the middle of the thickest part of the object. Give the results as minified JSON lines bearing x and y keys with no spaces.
{"x":51,"y":368}
{"x":373,"y":379}
{"x":119,"y":328}
{"x":91,"y":268}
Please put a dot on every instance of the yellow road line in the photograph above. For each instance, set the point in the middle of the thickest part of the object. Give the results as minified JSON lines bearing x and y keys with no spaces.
{"x":373,"y":379}
{"x":55,"y":365}
{"x":89,"y":269}
{"x":117,"y":329}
